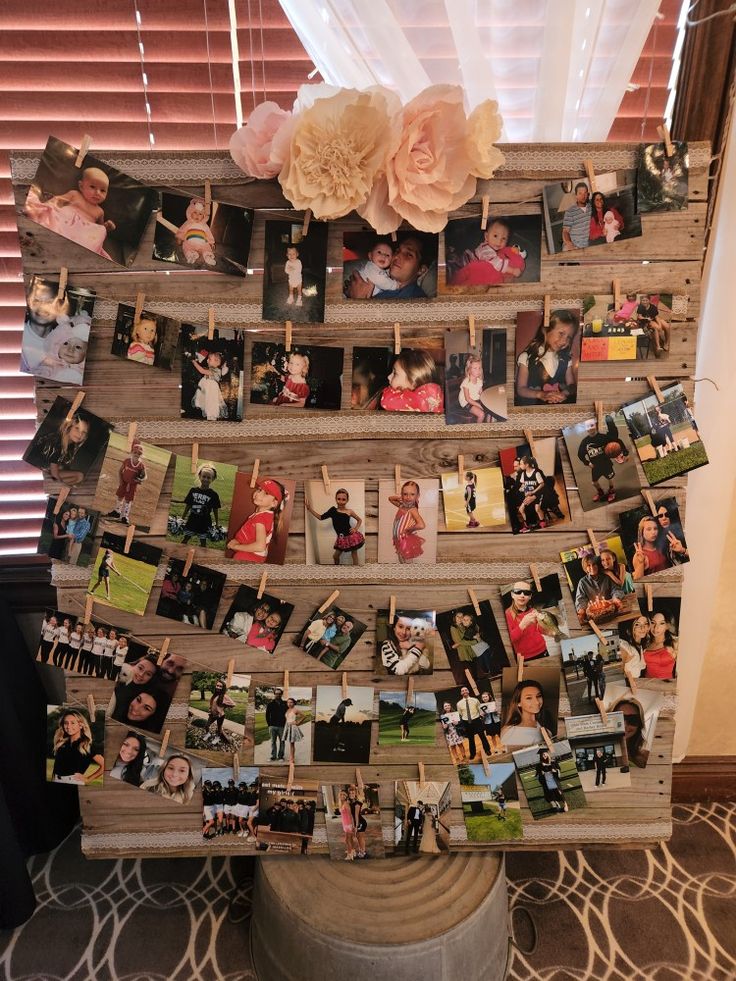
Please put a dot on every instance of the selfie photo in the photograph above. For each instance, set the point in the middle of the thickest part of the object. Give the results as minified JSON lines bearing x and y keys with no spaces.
{"x":257,"y":622}
{"x":144,"y":689}
{"x":405,"y":644}
{"x":653,"y":541}
{"x":530,"y":705}
{"x":377,"y":268}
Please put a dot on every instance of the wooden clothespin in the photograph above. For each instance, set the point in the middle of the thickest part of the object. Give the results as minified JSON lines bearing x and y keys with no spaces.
{"x":397,"y":338}
{"x":485,"y":203}
{"x":195,"y":456}
{"x":207,"y":197}
{"x":471,"y":328}
{"x":593,"y":540}
{"x":599,"y":420}
{"x":236,"y":767}
{"x":254,"y":474}
{"x":132,"y":430}
{"x":344,"y":684}
{"x":165,"y":742}
{"x":547,"y":740}
{"x":262,"y":585}
{"x":397,"y":478}
{"x":211,"y":323}
{"x":91,"y":707}
{"x":83,"y":149}
{"x":62,"y":496}
{"x":329,"y":601}
{"x":472,"y":683}
{"x":546,"y":309}
{"x":602,"y":710}
{"x":326,"y":477}
{"x":285,"y":685}
{"x":474,"y":600}
{"x":230,"y":671}
{"x":420,"y":767}
{"x":650,"y":597}
{"x":409,"y":689}
{"x":73,"y":408}
{"x":519,"y":669}
{"x":305,"y":224}
{"x":392,"y":609}
{"x":394,"y":236}
{"x":664,"y":134}
{"x":484,"y":761}
{"x":359,"y":780}
{"x":128,"y":539}
{"x":588,"y":164}
{"x":529,"y":437}
{"x":287,"y":335}
{"x":140,"y":299}
{"x":534,"y":569}
{"x":88,"y":604}
{"x":652,"y":382}
{"x":597,"y":631}
{"x":290,"y":778}
{"x":188,"y":562}
{"x":647,"y":495}
{"x":63,"y":277}
{"x":460,"y":469}
{"x":616,"y":294}
{"x":163,"y":651}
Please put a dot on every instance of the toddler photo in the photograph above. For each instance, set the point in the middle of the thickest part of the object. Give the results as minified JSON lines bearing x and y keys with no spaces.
{"x":411,"y":381}
{"x":212,"y":373}
{"x":335,"y":522}
{"x":662,"y":180}
{"x":475,"y":378}
{"x":152,"y":340}
{"x":507,"y":251}
{"x":407,"y":521}
{"x":56,"y":331}
{"x":547,"y":358}
{"x":295,"y":270}
{"x":191,"y":235}
{"x":259,"y":522}
{"x":376,"y":268}
{"x":304,"y":377}
{"x":67,"y":443}
{"x":200,"y":503}
{"x":131,"y":478}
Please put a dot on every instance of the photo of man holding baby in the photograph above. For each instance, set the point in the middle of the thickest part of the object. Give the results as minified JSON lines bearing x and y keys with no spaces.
{"x":375,"y":268}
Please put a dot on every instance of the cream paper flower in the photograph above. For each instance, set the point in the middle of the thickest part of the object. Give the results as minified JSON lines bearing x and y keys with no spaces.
{"x":259,"y":147}
{"x":484,"y":128}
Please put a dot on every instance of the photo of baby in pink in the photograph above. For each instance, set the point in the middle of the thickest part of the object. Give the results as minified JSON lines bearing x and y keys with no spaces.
{"x":506,"y":251}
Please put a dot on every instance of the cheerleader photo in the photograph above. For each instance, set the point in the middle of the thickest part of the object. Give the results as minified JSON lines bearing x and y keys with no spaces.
{"x":131,"y":478}
{"x":334,"y":522}
{"x":212,"y":374}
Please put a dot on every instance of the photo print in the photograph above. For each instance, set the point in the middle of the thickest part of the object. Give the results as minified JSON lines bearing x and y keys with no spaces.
{"x":342,"y":730}
{"x":631,"y":329}
{"x":475,"y":503}
{"x":94,"y":205}
{"x":334,"y":522}
{"x":410,"y":719}
{"x":124,"y":579}
{"x":534,"y":486}
{"x":601,"y":756}
{"x":283,"y":725}
{"x":547,"y":358}
{"x":550,"y":780}
{"x":67,"y":443}
{"x":530,"y":705}
{"x":144,"y":689}
{"x":173,"y":775}
{"x":212,"y":374}
{"x":421,"y":821}
{"x":68,"y":535}
{"x":295,"y":272}
{"x":75,"y":746}
{"x":216,"y":714}
{"x":535,"y":618}
{"x":259,"y":521}
{"x":641,"y":710}
{"x":330,"y":635}
{"x":151,"y":340}
{"x":130,"y":481}
{"x":56,"y":331}
{"x":577,"y":218}
{"x":508,"y":251}
{"x":192,"y":598}
{"x":286,"y":815}
{"x":662,"y":180}
{"x":54,"y":638}
{"x":96,"y":649}
{"x":602,"y":461}
{"x":257,"y":623}
{"x":653,"y":542}
{"x":472,"y":642}
{"x":201,"y":502}
{"x":600,"y":581}
{"x":665,"y":435}
{"x":590,"y":664}
{"x":470,"y":722}
{"x":410,"y":381}
{"x":475,"y":377}
{"x":659,"y":647}
{"x":353,"y":821}
{"x":407,"y":521}
{"x":190,"y":234}
{"x":490,"y":802}
{"x":304,"y":377}
{"x":230,"y":802}
{"x":405,"y":646}
{"x":376,"y":268}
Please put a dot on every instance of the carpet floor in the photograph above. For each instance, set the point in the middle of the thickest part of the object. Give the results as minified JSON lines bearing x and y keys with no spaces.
{"x":668,"y":914}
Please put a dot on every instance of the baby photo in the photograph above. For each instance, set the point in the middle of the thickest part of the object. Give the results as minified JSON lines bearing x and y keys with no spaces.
{"x":407,"y":521}
{"x":405,"y":646}
{"x":257,"y":623}
{"x":190,"y":234}
{"x":330,"y":635}
{"x":490,"y":802}
{"x":475,"y":377}
{"x":173,"y":776}
{"x":333,"y":520}
{"x":145,"y":689}
{"x":508,"y":251}
{"x":200,"y":503}
{"x":600,"y":751}
{"x":221,"y":787}
{"x":590,"y":664}
{"x":305,"y":377}
{"x":212,"y":374}
{"x":94,"y":205}
{"x":575,"y":217}
{"x":403,"y":718}
{"x":534,"y":486}
{"x":283,"y":725}
{"x":192,"y":598}
{"x":470,"y":719}
{"x":476,"y":502}
{"x":661,"y":180}
{"x":131,"y":478}
{"x":124,"y":580}
{"x":547,"y":358}
{"x":216,"y":714}
{"x":286,"y":815}
{"x":295,"y":270}
{"x":410,"y":381}
{"x":421,"y":821}
{"x":56,"y":331}
{"x":151,"y":340}
{"x":665,"y":435}
{"x":602,"y":461}
{"x":67,"y":443}
{"x":259,"y":522}
{"x":600,"y":581}
{"x":342,"y":730}
{"x":353,"y":821}
{"x":535,"y":618}
{"x":653,"y":542}
{"x":550,"y":780}
{"x":68,"y":532}
{"x":530,"y":705}
{"x":376,"y":268}
{"x":633,"y":328}
{"x":472,"y":642}
{"x":75,"y":746}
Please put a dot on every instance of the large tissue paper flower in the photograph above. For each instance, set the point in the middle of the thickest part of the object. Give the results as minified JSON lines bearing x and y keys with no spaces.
{"x":484,"y":128}
{"x":260,"y":147}
{"x":338,"y":145}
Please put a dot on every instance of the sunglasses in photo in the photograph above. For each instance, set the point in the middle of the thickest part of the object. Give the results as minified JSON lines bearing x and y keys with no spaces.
{"x":521,"y":592}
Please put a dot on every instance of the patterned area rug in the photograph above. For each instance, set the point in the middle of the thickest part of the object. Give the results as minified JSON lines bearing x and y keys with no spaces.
{"x":662,"y":915}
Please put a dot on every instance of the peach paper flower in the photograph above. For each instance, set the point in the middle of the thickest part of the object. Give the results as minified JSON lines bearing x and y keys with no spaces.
{"x":484,"y":128}
{"x":259,"y":147}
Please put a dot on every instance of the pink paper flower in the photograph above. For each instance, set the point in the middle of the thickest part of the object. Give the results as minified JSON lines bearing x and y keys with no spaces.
{"x":259,"y":148}
{"x":484,"y":128}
